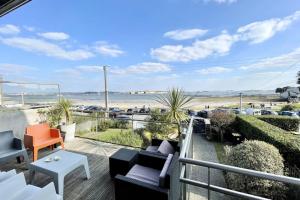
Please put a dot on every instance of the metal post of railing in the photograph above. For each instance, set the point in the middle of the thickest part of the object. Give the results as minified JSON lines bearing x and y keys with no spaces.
{"x":208,"y":183}
{"x":97,"y":122}
{"x":132,"y":122}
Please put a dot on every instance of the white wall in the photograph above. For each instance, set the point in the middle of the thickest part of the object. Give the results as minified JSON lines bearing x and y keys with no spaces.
{"x":18,"y":121}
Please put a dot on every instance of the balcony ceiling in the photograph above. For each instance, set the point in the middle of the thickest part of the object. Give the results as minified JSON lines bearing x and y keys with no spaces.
{"x":8,"y":5}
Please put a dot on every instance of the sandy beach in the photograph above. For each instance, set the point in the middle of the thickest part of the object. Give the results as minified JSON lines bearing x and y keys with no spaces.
{"x":198,"y":103}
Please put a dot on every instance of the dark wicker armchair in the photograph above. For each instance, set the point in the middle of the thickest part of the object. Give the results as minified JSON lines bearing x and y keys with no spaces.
{"x":127,"y":187}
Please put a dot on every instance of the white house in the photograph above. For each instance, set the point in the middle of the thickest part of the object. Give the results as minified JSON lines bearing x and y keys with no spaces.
{"x":290,"y":92}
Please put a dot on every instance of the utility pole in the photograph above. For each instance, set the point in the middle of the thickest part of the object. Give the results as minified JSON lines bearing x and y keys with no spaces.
{"x":1,"y":91}
{"x":105,"y":90}
{"x":241,"y":102}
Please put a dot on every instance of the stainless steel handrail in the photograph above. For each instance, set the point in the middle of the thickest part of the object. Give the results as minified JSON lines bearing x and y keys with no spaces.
{"x":184,"y":160}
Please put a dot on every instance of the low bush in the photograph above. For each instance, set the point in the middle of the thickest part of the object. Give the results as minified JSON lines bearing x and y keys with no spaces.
{"x":102,"y":125}
{"x":283,"y":122}
{"x":127,"y":138}
{"x":291,"y":107}
{"x":158,"y":124}
{"x":224,"y":123}
{"x":288,"y":144}
{"x":122,"y":124}
{"x":260,"y":156}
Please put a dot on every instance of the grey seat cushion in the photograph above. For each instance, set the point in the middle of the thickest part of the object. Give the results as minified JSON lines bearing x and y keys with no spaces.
{"x":163,"y":173}
{"x":152,"y":149}
{"x":144,"y":174}
{"x":165,"y":148}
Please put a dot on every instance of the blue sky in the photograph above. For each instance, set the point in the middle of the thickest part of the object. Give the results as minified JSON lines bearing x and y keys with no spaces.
{"x":153,"y":45}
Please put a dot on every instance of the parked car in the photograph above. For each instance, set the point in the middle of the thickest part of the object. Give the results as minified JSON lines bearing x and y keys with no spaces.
{"x":268,"y":112}
{"x":144,"y":110}
{"x":114,"y":112}
{"x":204,"y":113}
{"x":253,"y":111}
{"x":289,"y":113}
{"x":163,"y":110}
{"x":129,"y":111}
{"x":191,"y":112}
{"x":237,"y":111}
{"x":123,"y":117}
{"x":91,"y":109}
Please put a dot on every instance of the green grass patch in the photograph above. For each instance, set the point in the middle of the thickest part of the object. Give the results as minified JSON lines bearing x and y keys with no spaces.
{"x":116,"y":136}
{"x":220,"y":152}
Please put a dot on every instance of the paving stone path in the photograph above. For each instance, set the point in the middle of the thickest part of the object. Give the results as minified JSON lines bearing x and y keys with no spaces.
{"x":205,"y":150}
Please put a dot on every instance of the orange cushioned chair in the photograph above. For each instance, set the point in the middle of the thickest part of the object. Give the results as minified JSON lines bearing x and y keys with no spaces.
{"x":40,"y":136}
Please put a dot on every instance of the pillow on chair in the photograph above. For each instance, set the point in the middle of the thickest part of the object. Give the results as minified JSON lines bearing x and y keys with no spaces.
{"x":163,"y":173}
{"x":165,"y":148}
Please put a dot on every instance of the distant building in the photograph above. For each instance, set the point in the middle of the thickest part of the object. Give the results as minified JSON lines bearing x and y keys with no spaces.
{"x":289,"y":92}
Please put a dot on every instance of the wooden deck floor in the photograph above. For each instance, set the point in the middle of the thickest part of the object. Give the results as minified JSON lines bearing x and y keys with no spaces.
{"x":98,"y":187}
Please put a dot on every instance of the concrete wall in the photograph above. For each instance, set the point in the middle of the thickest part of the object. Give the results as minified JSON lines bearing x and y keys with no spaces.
{"x":18,"y":121}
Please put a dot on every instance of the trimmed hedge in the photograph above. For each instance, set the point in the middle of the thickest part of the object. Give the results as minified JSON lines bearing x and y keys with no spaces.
{"x":284,"y":122}
{"x":287,"y":143}
{"x":260,"y":156}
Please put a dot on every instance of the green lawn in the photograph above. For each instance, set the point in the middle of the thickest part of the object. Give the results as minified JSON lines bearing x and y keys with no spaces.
{"x":117,"y":136}
{"x":220,"y":152}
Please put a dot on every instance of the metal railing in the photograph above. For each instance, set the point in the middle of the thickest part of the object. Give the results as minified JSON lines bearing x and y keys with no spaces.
{"x":186,"y":159}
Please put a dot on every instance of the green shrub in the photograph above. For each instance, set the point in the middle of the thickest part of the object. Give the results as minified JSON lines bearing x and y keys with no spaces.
{"x":158,"y":124}
{"x":102,"y":125}
{"x":127,"y":138}
{"x":224,"y":123}
{"x":283,"y":122}
{"x":122,"y":124}
{"x":260,"y":156}
{"x":288,"y":144}
{"x":288,"y":107}
{"x":222,"y":119}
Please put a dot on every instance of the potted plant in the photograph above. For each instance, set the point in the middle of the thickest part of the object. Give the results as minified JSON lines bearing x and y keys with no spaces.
{"x":68,"y":127}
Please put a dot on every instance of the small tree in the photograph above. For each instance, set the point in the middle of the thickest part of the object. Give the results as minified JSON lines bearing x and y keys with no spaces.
{"x":65,"y":106}
{"x":224,"y":121}
{"x":298,"y":78}
{"x":175,"y":100}
{"x":158,"y":123}
{"x":278,"y":90}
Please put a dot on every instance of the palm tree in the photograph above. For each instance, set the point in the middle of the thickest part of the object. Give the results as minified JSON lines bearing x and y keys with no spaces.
{"x":175,"y":100}
{"x":65,"y":105}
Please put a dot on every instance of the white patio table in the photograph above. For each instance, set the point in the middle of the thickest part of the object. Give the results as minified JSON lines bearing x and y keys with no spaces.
{"x":67,"y":162}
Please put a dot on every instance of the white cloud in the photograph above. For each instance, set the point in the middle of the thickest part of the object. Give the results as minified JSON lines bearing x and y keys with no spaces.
{"x":7,"y":68}
{"x":219,"y":45}
{"x":9,"y":29}
{"x":46,"y":48}
{"x":255,"y":32}
{"x":29,"y":28}
{"x":284,"y":60}
{"x":181,"y":34}
{"x":107,"y":49}
{"x":69,"y":72}
{"x":213,"y":70}
{"x":54,"y":35}
{"x":90,"y":68}
{"x":261,"y":31}
{"x":142,"y":68}
{"x":222,"y":1}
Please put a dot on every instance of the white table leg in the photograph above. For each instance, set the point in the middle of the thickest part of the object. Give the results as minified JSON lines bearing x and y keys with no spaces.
{"x":59,"y":184}
{"x":87,"y":169}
